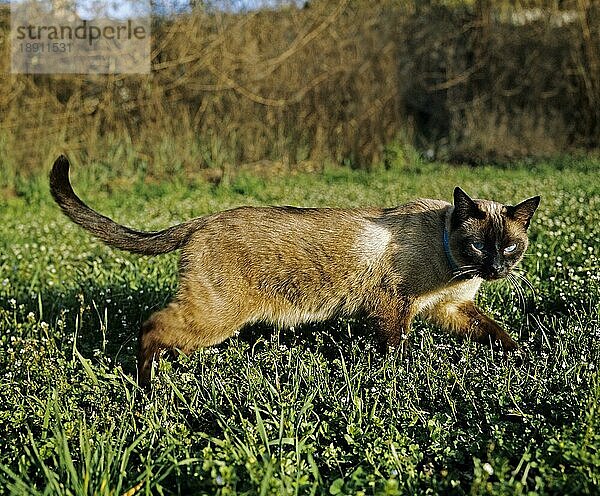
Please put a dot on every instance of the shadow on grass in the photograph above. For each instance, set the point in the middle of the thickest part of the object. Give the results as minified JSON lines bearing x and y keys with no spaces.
{"x":108,"y":318}
{"x":101,"y":318}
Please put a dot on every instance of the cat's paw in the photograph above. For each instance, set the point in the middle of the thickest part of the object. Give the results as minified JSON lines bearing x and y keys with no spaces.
{"x":521,"y":354}
{"x":508,"y":344}
{"x":401,"y":345}
{"x":511,"y":348}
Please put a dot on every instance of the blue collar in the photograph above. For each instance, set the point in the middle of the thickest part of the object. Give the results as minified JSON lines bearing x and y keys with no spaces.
{"x":449,"y":257}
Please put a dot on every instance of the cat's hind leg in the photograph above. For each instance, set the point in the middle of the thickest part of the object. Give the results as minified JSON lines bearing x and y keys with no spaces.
{"x":184,"y":327}
{"x":166,"y":329}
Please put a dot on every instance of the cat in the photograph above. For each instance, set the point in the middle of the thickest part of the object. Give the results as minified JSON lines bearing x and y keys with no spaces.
{"x":288,"y":265}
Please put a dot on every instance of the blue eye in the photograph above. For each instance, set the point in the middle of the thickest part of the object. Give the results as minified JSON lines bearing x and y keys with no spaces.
{"x":510,"y":248}
{"x":478,"y":245}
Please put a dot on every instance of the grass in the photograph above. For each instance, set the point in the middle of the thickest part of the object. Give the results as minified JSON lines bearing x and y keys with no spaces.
{"x":310,"y":410}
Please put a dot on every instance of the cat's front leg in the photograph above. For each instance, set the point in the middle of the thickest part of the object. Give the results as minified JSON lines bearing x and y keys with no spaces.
{"x":465,"y":319}
{"x":393,"y":315}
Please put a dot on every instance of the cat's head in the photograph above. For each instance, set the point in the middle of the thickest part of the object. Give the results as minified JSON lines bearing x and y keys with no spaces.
{"x":488,"y":239}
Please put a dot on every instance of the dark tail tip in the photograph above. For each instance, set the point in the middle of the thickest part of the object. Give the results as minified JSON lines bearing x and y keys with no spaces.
{"x":60,"y":167}
{"x":59,"y":175}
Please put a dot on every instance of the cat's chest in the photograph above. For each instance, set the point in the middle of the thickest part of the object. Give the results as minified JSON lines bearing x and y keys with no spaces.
{"x":459,"y":292}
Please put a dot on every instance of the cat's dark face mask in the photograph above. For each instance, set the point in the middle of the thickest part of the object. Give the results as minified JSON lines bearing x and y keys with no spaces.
{"x":487,"y":238}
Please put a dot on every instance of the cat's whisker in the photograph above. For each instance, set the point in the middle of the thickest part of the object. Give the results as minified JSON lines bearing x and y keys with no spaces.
{"x":524,"y":279}
{"x":514,"y":287}
{"x":461,"y":273}
{"x":518,"y":270}
{"x":467,"y":267}
{"x":518,"y":290}
{"x":518,"y":279}
{"x":522,"y":297}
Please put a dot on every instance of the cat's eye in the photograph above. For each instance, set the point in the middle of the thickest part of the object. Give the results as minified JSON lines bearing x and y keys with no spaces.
{"x":510,"y":248}
{"x":478,"y":245}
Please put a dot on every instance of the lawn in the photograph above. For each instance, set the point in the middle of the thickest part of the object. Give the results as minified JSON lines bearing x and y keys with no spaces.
{"x":311,"y":410}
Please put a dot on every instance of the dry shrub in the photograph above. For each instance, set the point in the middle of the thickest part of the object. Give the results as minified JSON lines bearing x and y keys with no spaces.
{"x":334,"y":81}
{"x":493,"y":83}
{"x":530,"y":95}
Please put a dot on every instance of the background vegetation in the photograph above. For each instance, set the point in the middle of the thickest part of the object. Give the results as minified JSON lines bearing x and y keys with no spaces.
{"x":470,"y":81}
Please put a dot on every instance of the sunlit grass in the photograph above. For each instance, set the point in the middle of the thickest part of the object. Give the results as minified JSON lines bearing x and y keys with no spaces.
{"x":317,"y":409}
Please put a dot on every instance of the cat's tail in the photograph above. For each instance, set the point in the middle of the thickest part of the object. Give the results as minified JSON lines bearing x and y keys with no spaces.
{"x":107,"y":230}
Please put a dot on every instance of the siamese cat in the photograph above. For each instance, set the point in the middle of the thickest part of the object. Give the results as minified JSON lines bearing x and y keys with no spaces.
{"x":288,"y":265}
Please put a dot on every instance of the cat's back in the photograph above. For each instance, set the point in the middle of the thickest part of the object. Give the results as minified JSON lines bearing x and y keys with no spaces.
{"x":282,"y":222}
{"x":420,"y":205}
{"x":289,"y":237}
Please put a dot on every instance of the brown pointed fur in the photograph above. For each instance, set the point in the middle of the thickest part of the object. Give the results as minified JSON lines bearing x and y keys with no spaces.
{"x":288,"y":265}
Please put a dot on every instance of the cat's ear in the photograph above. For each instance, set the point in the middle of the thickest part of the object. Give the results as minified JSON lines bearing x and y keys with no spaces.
{"x":523,"y":212}
{"x":464,"y":208}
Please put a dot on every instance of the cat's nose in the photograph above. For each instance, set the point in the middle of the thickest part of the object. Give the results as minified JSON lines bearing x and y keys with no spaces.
{"x":496,"y":268}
